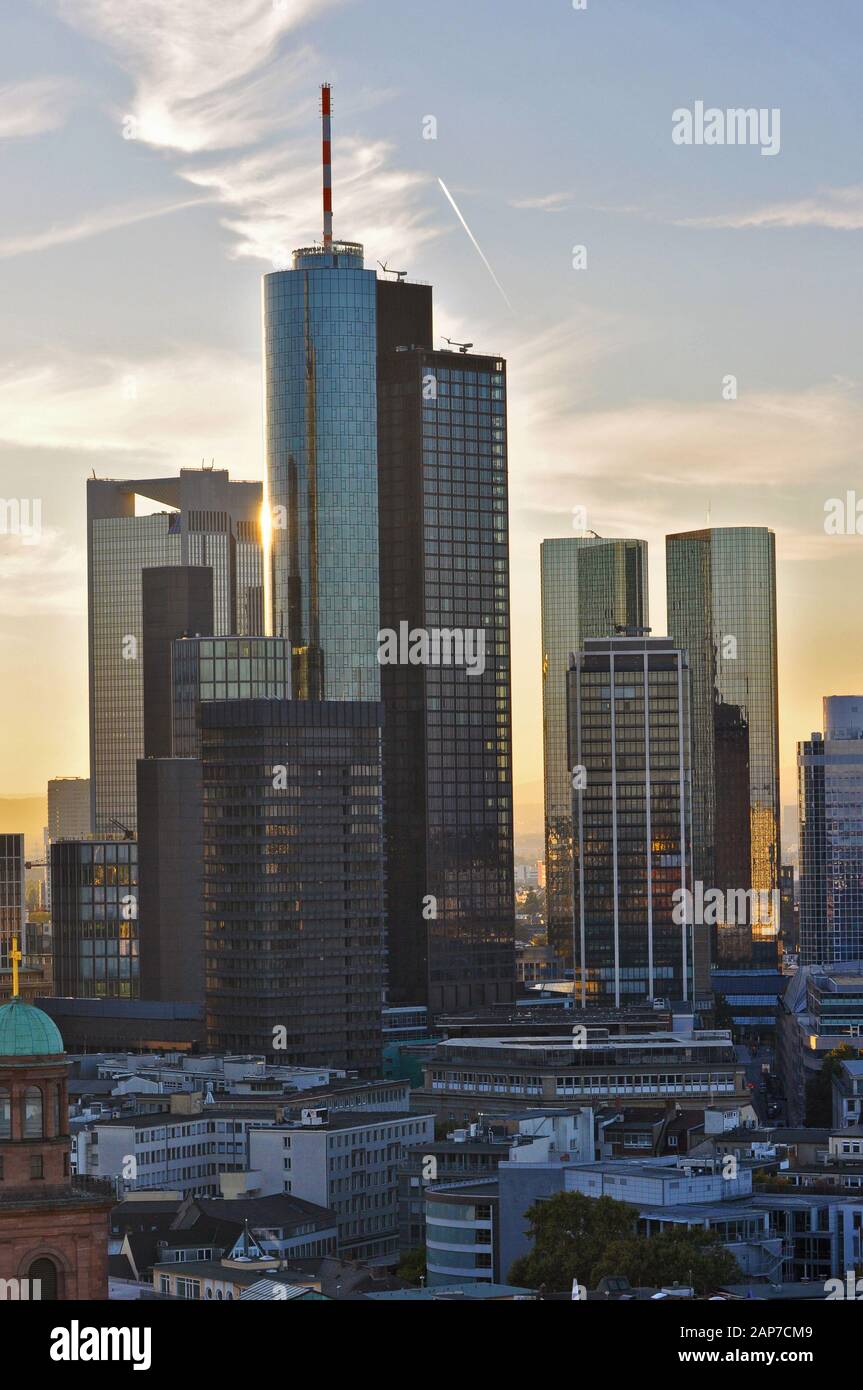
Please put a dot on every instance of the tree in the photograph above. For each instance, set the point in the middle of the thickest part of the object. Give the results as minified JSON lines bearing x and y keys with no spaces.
{"x":819,"y":1091}
{"x":412,"y":1265}
{"x":570,"y":1233}
{"x":672,"y":1257}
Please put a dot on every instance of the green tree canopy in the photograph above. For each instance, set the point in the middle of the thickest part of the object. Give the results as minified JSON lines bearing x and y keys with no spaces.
{"x":673,"y":1257}
{"x":570,"y":1232}
{"x":578,"y":1238}
{"x":819,"y":1091}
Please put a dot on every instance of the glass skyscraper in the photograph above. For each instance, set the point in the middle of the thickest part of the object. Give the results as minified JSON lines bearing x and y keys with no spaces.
{"x":722,"y":609}
{"x":830,"y":789}
{"x":320,"y":331}
{"x":13,"y":910}
{"x":223,"y":668}
{"x":94,"y":903}
{"x":628,"y":712}
{"x":590,"y":587}
{"x":444,"y":566}
{"x":208,"y":521}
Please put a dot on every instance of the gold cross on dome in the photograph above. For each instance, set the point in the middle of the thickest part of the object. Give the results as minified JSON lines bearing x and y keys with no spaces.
{"x":15,"y":956}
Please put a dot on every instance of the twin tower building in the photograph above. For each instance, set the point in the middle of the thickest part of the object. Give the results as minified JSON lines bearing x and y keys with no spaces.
{"x":323,"y":815}
{"x":661,"y":763}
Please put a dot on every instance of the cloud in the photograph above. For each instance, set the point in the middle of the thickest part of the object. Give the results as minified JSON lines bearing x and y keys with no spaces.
{"x":278,"y":200}
{"x":42,"y":578}
{"x":92,"y":224}
{"x":215,"y":82}
{"x":167,"y":410}
{"x":34,"y":106}
{"x":205,"y":76}
{"x":840,"y":209}
{"x":551,"y":202}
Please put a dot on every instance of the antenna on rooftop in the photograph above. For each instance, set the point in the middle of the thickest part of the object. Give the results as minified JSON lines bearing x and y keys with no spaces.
{"x":327,"y":161}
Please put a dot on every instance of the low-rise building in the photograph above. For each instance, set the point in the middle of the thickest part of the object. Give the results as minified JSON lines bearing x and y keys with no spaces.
{"x":468,"y":1075}
{"x":347,"y":1162}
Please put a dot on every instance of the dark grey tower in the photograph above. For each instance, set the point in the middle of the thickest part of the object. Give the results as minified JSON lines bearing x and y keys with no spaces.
{"x":444,"y":565}
{"x":590,"y":587}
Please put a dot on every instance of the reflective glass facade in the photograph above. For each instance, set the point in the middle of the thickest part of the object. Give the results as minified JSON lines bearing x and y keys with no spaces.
{"x":94,"y":903}
{"x":590,"y":586}
{"x":200,"y":529}
{"x":721,"y":587}
{"x":293,"y":880}
{"x":13,"y":914}
{"x":223,"y":668}
{"x":448,"y":741}
{"x":830,"y":787}
{"x":321,"y":439}
{"x":628,"y":710}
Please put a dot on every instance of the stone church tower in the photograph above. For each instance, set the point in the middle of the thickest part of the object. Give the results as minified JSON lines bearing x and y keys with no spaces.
{"x":53,"y":1230}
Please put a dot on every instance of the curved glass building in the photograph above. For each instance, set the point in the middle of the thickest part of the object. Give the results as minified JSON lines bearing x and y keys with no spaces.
{"x":320,"y":332}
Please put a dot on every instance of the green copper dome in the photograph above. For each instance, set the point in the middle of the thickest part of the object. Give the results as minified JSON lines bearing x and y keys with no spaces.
{"x":27,"y":1032}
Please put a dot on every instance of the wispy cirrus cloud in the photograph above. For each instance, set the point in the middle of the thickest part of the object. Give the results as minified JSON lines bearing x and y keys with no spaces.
{"x":171,"y":409}
{"x":36,"y":105}
{"x":274,"y":200}
{"x":205,"y":76}
{"x":549,"y":202}
{"x":840,"y":209}
{"x":216,"y":83}
{"x":91,"y":224}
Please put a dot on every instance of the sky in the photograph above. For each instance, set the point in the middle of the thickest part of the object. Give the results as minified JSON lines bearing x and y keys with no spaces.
{"x":157,"y":158}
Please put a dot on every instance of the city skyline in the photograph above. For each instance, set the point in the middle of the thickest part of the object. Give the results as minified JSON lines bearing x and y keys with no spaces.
{"x":616,"y":393}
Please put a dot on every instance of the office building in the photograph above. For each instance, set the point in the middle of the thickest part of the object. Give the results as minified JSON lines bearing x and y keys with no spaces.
{"x":591,"y":587}
{"x":293,"y":880}
{"x":722,"y":610}
{"x":347,"y":1162}
{"x":13,"y":909}
{"x":171,"y":874}
{"x":320,"y":333}
{"x":447,"y":732}
{"x":206,"y":520}
{"x":223,"y":668}
{"x":465,"y":1076}
{"x":628,"y":714}
{"x":68,"y":808}
{"x":176,"y":601}
{"x":830,"y":781}
{"x":94,"y":892}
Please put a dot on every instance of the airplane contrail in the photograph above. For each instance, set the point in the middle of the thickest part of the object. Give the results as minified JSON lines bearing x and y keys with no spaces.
{"x":482,"y":254}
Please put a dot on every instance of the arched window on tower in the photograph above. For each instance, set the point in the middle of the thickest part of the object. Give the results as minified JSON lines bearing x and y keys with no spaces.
{"x":46,"y":1272}
{"x":5,"y":1113}
{"x":31,"y":1106}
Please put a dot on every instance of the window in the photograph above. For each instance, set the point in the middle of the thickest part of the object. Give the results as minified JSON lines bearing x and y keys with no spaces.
{"x":5,"y":1113}
{"x":37,"y":1168}
{"x":31,"y":1113}
{"x":44,"y":1272}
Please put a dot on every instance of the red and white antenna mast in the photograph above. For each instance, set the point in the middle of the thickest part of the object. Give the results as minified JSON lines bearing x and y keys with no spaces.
{"x":327,"y":159}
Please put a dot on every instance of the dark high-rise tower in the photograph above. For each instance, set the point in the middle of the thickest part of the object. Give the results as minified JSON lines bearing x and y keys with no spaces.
{"x":628,"y":705}
{"x":444,"y":565}
{"x":590,"y":587}
{"x":293,"y":880}
{"x":722,"y":610}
